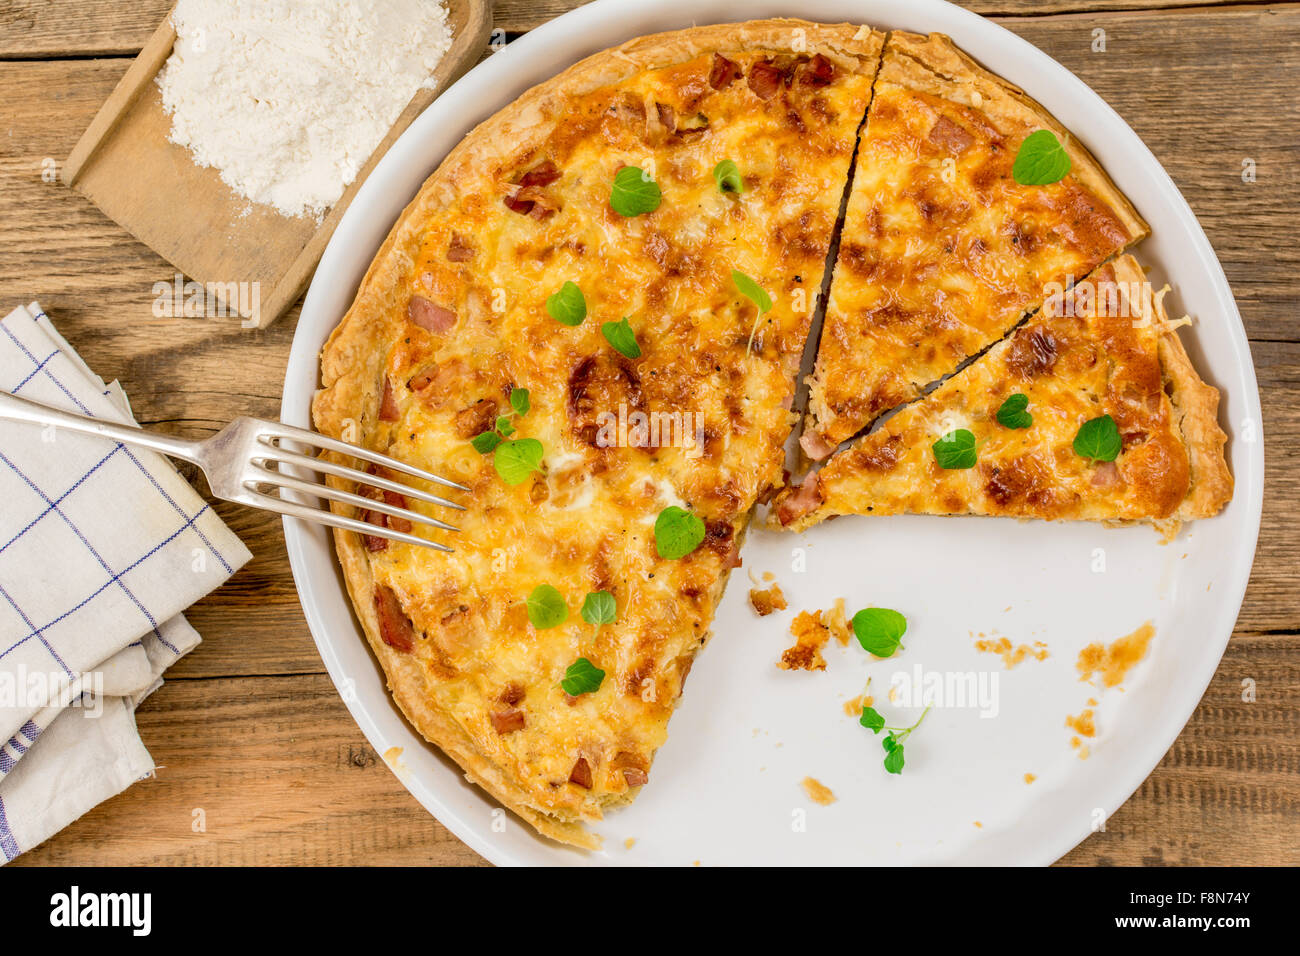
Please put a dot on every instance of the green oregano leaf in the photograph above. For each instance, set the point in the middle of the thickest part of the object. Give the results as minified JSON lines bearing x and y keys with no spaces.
{"x":634,"y":192}
{"x":727,"y":175}
{"x":515,"y":461}
{"x":1042,"y":160}
{"x":599,"y":608}
{"x":582,"y":677}
{"x":568,"y":306}
{"x":1012,"y":414}
{"x":879,"y":630}
{"x":1098,"y":439}
{"x":621,"y":337}
{"x":546,"y":607}
{"x":677,"y":533}
{"x":955,"y":450}
{"x":519,"y":401}
{"x":485,"y":442}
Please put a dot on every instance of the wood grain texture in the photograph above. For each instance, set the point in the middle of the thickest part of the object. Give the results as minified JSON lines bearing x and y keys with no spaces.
{"x":250,"y":729}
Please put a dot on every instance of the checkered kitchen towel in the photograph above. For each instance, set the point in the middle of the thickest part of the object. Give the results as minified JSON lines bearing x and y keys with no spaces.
{"x":101,"y":548}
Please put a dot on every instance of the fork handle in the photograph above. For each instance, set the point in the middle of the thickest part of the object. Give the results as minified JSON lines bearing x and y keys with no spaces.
{"x":15,"y":409}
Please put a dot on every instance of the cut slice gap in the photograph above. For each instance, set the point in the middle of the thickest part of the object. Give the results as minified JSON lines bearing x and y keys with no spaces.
{"x":1106,"y":348}
{"x":796,"y":460}
{"x":933,"y":204}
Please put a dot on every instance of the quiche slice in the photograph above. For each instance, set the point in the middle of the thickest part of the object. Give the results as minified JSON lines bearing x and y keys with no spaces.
{"x":1090,"y":410}
{"x":592,"y":314}
{"x":943,"y":252}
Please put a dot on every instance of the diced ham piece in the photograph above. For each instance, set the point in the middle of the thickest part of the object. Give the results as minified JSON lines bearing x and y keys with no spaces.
{"x":394,"y":626}
{"x":1106,"y":476}
{"x":765,"y":79}
{"x":429,"y":315}
{"x":508,"y":721}
{"x":543,"y":174}
{"x":804,"y":500}
{"x":815,"y":446}
{"x":581,"y":774}
{"x":722,"y":72}
{"x":459,"y":249}
{"x":819,"y":71}
{"x":397,"y":501}
{"x":388,"y":410}
{"x":635,"y":777}
{"x":948,"y":135}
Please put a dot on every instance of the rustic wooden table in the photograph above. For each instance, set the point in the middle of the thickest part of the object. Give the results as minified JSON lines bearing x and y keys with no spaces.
{"x":249,"y":727}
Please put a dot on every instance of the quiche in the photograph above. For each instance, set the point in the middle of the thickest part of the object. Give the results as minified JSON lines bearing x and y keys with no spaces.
{"x":592,"y":315}
{"x":943,"y":251}
{"x":1090,"y":410}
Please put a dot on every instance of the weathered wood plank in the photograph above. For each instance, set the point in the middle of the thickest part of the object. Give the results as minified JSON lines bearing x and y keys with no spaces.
{"x":48,"y":29}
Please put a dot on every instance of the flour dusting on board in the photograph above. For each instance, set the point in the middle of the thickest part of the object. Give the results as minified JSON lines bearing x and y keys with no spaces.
{"x":287,"y":99}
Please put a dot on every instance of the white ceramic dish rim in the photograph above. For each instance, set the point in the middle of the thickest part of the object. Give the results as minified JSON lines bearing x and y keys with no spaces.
{"x":545,"y":51}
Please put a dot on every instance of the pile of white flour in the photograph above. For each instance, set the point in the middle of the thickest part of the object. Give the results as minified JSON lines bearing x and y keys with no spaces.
{"x":287,"y":99}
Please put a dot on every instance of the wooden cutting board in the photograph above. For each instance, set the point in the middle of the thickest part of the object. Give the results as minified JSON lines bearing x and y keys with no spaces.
{"x":124,"y":164}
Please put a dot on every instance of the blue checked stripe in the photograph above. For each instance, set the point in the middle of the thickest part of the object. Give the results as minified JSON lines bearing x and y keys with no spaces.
{"x":8,"y":845}
{"x":37,"y":632}
{"x":41,"y":368}
{"x":34,"y":372}
{"x":59,"y":500}
{"x":117,"y":578}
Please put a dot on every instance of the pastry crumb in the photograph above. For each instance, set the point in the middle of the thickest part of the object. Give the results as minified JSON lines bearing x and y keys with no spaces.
{"x":767,"y":600}
{"x":818,"y":792}
{"x":838,"y":622}
{"x":1084,"y":724}
{"x":1084,"y":753}
{"x":629,"y":843}
{"x":854,"y":706}
{"x":1012,"y":655}
{"x":1030,"y":778}
{"x":980,"y":825}
{"x":1112,"y":664}
{"x":810,"y":636}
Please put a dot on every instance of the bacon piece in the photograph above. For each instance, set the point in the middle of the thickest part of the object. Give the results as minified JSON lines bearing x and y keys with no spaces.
{"x":508,"y":721}
{"x":428,"y":315}
{"x":635,"y":777}
{"x":543,"y":174}
{"x":475,"y":419}
{"x":815,"y":446}
{"x":723,"y":72}
{"x":581,"y":774}
{"x":395,"y":627}
{"x":818,"y":71}
{"x":765,"y":79}
{"x":388,"y":410}
{"x":805,"y":499}
{"x":515,"y":204}
{"x":459,"y":249}
{"x":512,"y":693}
{"x":667,"y":116}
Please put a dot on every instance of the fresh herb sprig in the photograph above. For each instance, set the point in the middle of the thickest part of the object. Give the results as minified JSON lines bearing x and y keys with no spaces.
{"x":634,"y":192}
{"x":892,"y":742}
{"x":515,"y":461}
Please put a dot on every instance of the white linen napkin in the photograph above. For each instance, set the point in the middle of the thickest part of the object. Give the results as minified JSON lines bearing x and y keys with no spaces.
{"x":101,"y":547}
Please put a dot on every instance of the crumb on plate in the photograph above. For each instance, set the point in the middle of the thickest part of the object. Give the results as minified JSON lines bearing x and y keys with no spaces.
{"x":810,"y":636}
{"x":818,"y":792}
{"x":1113,"y":663}
{"x":767,"y":600}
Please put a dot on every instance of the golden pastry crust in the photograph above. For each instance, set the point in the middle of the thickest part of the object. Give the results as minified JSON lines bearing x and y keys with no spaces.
{"x":942,"y":251}
{"x":451,"y":316}
{"x":1104,"y":348}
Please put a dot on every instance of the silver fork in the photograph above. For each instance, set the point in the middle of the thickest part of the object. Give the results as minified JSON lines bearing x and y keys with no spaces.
{"x":238,"y":463}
